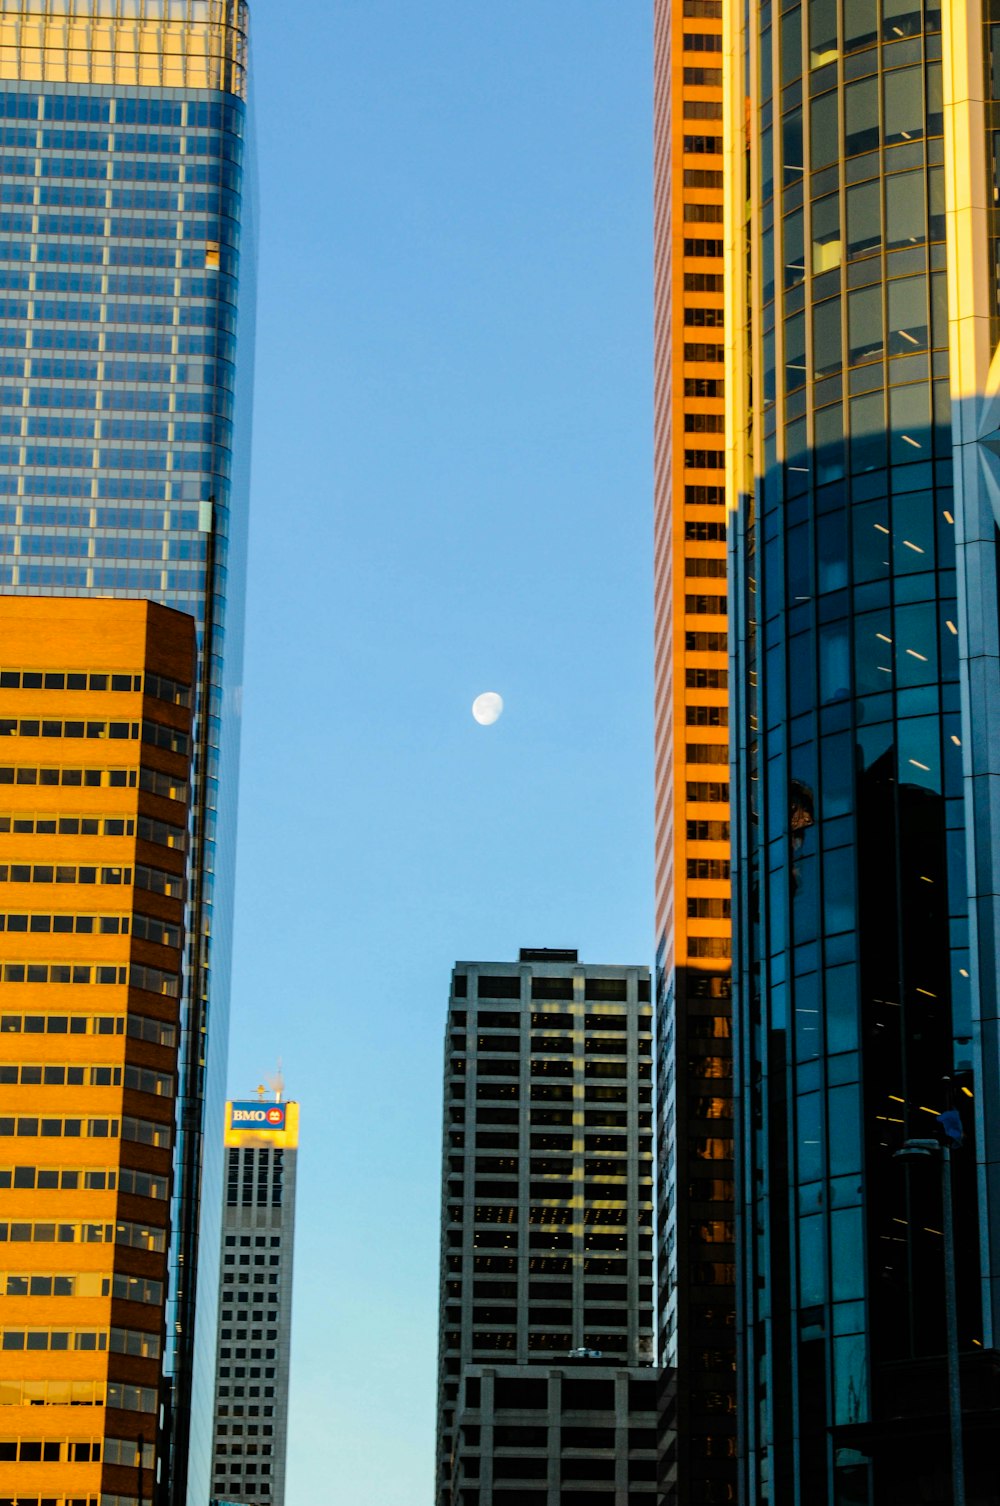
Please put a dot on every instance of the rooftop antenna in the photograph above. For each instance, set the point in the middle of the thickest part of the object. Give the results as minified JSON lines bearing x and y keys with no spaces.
{"x":277,"y":1083}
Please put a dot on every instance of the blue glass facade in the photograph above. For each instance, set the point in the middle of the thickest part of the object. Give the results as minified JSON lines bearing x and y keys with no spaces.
{"x":855,"y":985}
{"x":126,"y":332}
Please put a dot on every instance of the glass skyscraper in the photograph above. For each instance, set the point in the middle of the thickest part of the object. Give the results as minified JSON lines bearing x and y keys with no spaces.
{"x":126,"y":336}
{"x":862,"y":317}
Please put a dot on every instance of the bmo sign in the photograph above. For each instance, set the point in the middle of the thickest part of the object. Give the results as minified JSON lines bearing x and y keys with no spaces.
{"x":257,"y":1116}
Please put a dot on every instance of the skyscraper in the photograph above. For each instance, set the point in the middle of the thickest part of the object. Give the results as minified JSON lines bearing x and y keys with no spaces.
{"x":862,"y":318}
{"x":95,"y":757}
{"x":546,"y":1254}
{"x":126,"y":258}
{"x":696,"y":1298}
{"x":255,"y":1303}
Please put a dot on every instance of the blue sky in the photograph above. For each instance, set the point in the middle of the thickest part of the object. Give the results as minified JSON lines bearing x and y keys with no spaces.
{"x":452,"y":493}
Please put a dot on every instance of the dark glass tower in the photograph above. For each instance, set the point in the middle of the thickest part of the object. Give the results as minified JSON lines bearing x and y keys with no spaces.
{"x":861,"y":321}
{"x":126,"y":317}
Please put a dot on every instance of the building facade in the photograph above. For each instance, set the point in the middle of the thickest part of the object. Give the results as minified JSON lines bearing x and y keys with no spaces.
{"x":696,"y":1296}
{"x":862,"y":319}
{"x":546,"y":1253}
{"x":530,"y":1435}
{"x":250,"y":1435}
{"x":126,"y":324}
{"x":95,"y":764}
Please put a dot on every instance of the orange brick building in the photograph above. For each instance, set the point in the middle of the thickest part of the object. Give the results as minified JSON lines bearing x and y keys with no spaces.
{"x":95,"y":762}
{"x":695,"y":1223}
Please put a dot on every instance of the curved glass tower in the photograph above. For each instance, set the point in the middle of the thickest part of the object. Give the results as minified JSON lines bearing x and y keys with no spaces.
{"x":126,"y":335}
{"x":861,"y":319}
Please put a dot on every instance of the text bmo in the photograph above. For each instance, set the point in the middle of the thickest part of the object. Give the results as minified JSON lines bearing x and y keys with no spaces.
{"x":270,"y":1116}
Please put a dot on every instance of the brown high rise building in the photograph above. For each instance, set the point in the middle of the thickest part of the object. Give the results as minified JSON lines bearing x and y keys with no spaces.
{"x":95,"y":759}
{"x":696,"y":1293}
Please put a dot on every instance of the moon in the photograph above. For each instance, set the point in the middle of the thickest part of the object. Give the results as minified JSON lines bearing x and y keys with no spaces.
{"x":487,"y":708}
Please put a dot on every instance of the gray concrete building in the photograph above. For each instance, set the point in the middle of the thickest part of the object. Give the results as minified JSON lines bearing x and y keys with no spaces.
{"x":547,"y":1201}
{"x":574,"y":1435}
{"x":250,"y":1429}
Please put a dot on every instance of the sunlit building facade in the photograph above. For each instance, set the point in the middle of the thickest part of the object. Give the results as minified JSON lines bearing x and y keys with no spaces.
{"x":95,"y":762}
{"x":126,"y":336}
{"x":696,"y":1300}
{"x":861,"y":323}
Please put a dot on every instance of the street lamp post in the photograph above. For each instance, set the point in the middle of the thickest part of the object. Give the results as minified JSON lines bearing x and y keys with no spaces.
{"x":910,"y":1151}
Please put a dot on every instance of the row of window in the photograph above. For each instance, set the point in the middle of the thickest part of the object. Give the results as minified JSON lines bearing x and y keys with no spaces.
{"x":700,"y":351}
{"x":598,"y":1041}
{"x":703,"y":78}
{"x":143,"y":927}
{"x":707,"y":753}
{"x":712,"y":567}
{"x":115,"y":1341}
{"x":697,"y":246}
{"x":153,"y":733}
{"x":709,"y":946}
{"x":140,"y":1027}
{"x":29,"y":1126}
{"x":96,"y":826}
{"x":704,"y":318}
{"x":88,"y":1393}
{"x":710,"y":791}
{"x":156,"y":880}
{"x":102,"y":427}
{"x":703,"y":495}
{"x":510,"y":1018}
{"x":702,"y":41}
{"x":38,"y":368}
{"x":75,"y":1451}
{"x":49,"y":825}
{"x":707,"y":831}
{"x":159,"y":686}
{"x":22,"y":1500}
{"x":142,"y":1079}
{"x":61,"y":1075}
{"x":508,"y":1213}
{"x":708,"y":868}
{"x":706,"y":643}
{"x":705,"y":460}
{"x":132,"y":1235}
{"x":709,"y":909}
{"x":81,"y":1284}
{"x":69,"y":1179}
{"x":126,"y":285}
{"x":112,"y":168}
{"x":508,"y":986}
{"x":110,"y":458}
{"x":706,"y":679}
{"x":152,"y":780}
{"x":152,"y":979}
{"x":58,"y":1128}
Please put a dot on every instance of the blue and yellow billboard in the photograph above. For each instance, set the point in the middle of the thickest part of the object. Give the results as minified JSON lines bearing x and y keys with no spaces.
{"x":252,"y":1121}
